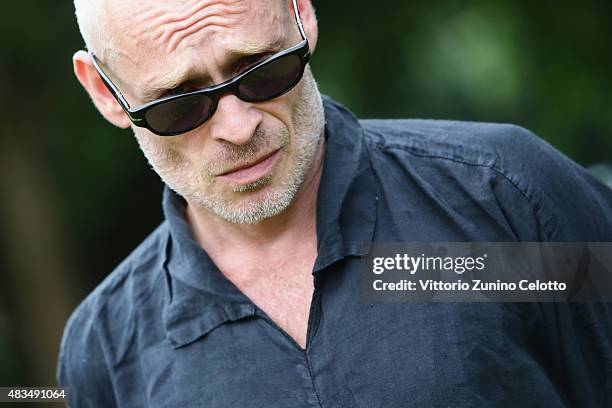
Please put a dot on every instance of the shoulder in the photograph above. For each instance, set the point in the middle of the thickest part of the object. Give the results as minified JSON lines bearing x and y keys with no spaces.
{"x":130,"y":282}
{"x":475,"y":143}
{"x":511,"y":151}
{"x":569,"y":202}
{"x":85,"y":351}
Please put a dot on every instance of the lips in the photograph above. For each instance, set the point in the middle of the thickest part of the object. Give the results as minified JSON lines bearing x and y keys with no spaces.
{"x":253,"y":170}
{"x":251,"y":164}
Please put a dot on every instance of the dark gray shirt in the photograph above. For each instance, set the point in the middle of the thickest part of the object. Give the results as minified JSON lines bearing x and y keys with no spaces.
{"x":167,"y":329}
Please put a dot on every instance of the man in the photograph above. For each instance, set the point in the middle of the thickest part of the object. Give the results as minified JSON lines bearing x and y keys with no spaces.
{"x":247,"y":294}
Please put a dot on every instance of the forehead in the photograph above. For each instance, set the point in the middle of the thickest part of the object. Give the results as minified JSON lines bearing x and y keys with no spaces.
{"x":165,"y":37}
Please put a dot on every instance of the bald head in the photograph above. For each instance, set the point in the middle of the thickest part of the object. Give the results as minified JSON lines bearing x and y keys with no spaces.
{"x":91,"y":19}
{"x":103,"y":23}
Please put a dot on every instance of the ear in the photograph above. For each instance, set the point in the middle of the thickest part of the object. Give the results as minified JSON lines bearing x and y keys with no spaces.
{"x":92,"y":82}
{"x":309,"y":21}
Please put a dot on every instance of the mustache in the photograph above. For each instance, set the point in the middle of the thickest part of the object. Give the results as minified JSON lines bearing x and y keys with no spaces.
{"x":229,"y":155}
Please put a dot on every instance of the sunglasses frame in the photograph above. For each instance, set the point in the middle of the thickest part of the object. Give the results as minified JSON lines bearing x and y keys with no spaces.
{"x":138,"y":115}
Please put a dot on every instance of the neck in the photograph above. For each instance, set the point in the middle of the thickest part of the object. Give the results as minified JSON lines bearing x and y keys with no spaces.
{"x":218,"y":236}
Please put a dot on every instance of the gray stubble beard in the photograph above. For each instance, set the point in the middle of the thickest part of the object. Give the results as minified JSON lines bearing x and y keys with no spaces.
{"x":309,"y":124}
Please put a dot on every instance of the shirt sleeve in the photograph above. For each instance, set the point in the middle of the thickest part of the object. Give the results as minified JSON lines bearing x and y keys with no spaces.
{"x":82,"y":369}
{"x":569,"y":203}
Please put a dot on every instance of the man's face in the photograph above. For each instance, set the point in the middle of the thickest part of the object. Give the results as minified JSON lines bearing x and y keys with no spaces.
{"x":247,"y":162}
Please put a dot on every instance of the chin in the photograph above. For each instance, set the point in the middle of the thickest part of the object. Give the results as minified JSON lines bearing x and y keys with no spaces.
{"x":248,"y":207}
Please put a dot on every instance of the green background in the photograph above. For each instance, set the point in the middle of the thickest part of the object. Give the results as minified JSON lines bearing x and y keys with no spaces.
{"x":77,"y":195}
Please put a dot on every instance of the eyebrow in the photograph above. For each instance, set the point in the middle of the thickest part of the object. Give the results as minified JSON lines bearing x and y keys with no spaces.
{"x":172,"y":81}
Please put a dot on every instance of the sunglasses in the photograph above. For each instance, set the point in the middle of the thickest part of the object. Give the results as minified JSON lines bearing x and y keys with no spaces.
{"x":177,"y":114}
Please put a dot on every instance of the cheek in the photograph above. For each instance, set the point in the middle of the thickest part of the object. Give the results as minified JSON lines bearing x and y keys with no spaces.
{"x":282,"y":109}
{"x":159,"y":149}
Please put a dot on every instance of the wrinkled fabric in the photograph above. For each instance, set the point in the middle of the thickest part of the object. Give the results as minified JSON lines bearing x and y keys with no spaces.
{"x":167,"y":329}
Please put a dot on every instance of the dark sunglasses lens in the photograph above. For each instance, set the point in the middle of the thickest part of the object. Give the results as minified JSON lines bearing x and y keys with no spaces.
{"x":272,"y":79}
{"x":180,"y":115}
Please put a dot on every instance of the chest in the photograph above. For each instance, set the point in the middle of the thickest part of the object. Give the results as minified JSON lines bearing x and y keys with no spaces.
{"x":392,"y":355}
{"x":282,"y":289}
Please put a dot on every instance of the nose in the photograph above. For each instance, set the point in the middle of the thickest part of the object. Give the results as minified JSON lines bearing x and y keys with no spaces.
{"x":234,"y":121}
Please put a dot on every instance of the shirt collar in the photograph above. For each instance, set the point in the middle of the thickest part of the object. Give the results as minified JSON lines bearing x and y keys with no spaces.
{"x":346,"y":203}
{"x":202,"y":298}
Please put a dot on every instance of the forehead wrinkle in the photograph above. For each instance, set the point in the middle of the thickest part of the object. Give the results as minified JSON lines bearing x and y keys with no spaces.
{"x":165,"y":27}
{"x":160,"y":26}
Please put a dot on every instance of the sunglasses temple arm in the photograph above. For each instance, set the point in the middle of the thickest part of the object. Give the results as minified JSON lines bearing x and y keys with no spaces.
{"x":298,"y":19}
{"x":109,"y":84}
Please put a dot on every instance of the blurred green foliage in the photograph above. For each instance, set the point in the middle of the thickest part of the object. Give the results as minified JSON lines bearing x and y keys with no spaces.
{"x":544,"y":65}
